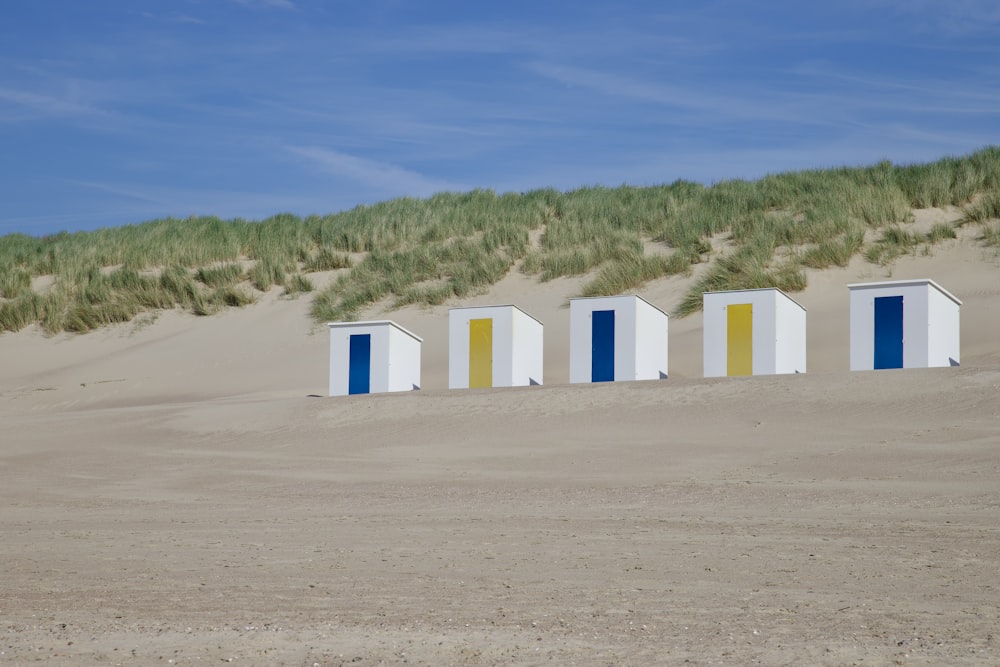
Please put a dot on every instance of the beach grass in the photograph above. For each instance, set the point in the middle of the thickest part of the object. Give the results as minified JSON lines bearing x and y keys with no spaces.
{"x":750,"y":233}
{"x":223,"y":275}
{"x":894,"y":242}
{"x":986,"y":208}
{"x":297,"y":284}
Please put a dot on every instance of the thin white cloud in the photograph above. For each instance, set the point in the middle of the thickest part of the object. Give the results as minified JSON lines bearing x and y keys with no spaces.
{"x":386,"y":178}
{"x":954,"y":18}
{"x":267,"y":4}
{"x":139,"y":193}
{"x":47,"y":104}
{"x":852,"y":97}
{"x":697,"y":105}
{"x":593,"y":40}
{"x":174,"y":18}
{"x":948,"y":96}
{"x":615,"y":85}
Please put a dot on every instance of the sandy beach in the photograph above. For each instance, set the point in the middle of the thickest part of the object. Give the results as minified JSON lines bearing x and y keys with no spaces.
{"x":180,"y":490}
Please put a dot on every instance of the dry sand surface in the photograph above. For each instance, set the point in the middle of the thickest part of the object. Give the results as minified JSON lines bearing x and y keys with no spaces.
{"x":182,"y":492}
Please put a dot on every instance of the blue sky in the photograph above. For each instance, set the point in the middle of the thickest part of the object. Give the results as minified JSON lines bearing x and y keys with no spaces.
{"x":121,"y":111}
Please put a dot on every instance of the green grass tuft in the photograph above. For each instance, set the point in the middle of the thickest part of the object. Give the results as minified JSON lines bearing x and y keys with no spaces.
{"x":224,"y":275}
{"x":629,"y":273}
{"x":232,"y":297}
{"x":894,"y":243}
{"x":748,"y":268}
{"x":987,"y":208}
{"x":19,"y":313}
{"x":297,"y":284}
{"x":836,"y":251}
{"x":940,"y":232}
{"x":326,"y":259}
{"x":991,"y":235}
{"x":14,"y":282}
{"x":178,"y":286}
{"x":268,"y":272}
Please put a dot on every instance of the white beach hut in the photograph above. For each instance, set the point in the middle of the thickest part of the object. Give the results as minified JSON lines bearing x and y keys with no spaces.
{"x":493,"y":346}
{"x":903,"y":324}
{"x":615,"y":338}
{"x":753,"y":332}
{"x":373,"y":357}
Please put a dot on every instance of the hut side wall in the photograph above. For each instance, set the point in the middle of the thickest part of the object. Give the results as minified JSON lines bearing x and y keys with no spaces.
{"x":528,"y":352}
{"x":944,"y":330}
{"x":652,"y":340}
{"x":403,"y":362}
{"x":765,"y":332}
{"x":790,"y":336}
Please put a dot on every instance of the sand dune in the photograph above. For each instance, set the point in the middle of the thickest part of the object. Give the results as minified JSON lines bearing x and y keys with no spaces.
{"x":183,"y":491}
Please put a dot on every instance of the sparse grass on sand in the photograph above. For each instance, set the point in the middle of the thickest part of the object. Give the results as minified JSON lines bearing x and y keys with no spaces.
{"x":454,"y":244}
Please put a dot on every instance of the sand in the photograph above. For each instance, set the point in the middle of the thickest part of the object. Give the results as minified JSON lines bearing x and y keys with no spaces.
{"x":181,"y":491}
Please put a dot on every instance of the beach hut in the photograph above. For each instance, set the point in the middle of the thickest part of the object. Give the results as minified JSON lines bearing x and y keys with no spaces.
{"x":753,"y":332}
{"x":493,"y":346}
{"x":615,"y":338}
{"x":903,"y":324}
{"x":373,"y":357}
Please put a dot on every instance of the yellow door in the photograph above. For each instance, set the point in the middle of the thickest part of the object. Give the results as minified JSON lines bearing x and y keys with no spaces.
{"x":481,"y":353}
{"x":739,"y":339}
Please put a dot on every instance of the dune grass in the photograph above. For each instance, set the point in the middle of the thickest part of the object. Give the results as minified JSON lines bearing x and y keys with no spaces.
{"x":991,"y":235}
{"x":940,"y":232}
{"x":13,"y":282}
{"x":224,"y":275}
{"x":326,"y":259}
{"x":987,"y":208}
{"x":19,"y":312}
{"x":426,"y":251}
{"x":297,"y":284}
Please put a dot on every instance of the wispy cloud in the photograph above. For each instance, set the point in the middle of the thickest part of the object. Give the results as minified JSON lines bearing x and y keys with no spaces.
{"x":926,"y":93}
{"x":386,"y":178}
{"x":811,"y":95}
{"x":49,"y":105}
{"x":613,"y":84}
{"x":133,"y":192}
{"x":955,"y":18}
{"x":586,"y":42}
{"x":173,"y":18}
{"x":725,"y":103}
{"x":267,"y":4}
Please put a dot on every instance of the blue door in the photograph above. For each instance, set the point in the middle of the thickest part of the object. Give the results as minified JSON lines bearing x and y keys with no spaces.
{"x":360,"y":365}
{"x":889,"y":332}
{"x":602,"y":352}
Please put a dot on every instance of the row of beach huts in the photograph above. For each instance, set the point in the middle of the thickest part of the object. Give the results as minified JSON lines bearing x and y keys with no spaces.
{"x":894,"y":324}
